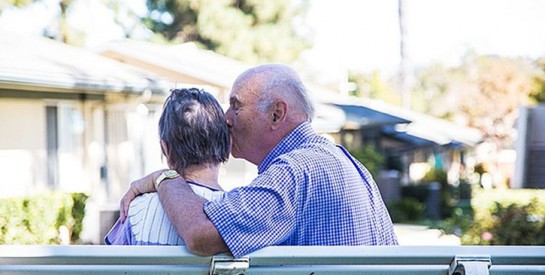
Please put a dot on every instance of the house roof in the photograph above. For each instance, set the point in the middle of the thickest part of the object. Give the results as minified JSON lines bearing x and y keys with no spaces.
{"x":407,"y":125}
{"x":40,"y":62}
{"x":358,"y":116}
{"x":204,"y":66}
{"x":328,"y":119}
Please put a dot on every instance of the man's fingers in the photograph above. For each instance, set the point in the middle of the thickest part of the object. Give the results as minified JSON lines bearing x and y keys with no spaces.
{"x":137,"y":187}
{"x":122,"y":214}
{"x":125,"y":203}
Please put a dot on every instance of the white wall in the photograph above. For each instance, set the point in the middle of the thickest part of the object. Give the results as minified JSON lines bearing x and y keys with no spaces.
{"x":22,"y":147}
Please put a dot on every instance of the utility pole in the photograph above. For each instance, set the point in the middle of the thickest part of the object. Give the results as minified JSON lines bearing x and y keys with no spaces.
{"x":404,"y":66}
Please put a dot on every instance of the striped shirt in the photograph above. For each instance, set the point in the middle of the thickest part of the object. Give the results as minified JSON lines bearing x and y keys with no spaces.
{"x":147,"y":222}
{"x":309,"y":191}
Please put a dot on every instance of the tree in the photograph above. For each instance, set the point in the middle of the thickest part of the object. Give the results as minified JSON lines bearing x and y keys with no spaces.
{"x":58,"y":29}
{"x":435,"y":94}
{"x":249,"y":30}
{"x":64,"y":28}
{"x":373,"y":86}
{"x":499,"y":87}
{"x":484,"y":92}
{"x":539,"y":83}
{"x":14,"y":3}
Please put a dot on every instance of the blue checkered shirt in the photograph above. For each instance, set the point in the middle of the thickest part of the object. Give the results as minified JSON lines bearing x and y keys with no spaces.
{"x":308,"y":191}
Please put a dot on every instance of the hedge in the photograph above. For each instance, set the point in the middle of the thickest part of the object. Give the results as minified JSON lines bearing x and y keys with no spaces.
{"x":41,"y":219}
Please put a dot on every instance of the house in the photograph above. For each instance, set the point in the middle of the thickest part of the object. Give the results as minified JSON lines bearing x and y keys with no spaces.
{"x":74,"y":121}
{"x":408,"y":140}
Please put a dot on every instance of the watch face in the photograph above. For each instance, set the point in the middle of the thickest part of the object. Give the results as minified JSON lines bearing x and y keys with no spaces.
{"x":171,"y":173}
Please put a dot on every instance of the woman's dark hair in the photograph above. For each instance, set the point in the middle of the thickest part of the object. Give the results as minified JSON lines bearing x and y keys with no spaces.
{"x":194,"y":129}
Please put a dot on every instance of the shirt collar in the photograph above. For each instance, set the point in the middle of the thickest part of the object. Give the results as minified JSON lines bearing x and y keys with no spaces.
{"x":291,"y":141}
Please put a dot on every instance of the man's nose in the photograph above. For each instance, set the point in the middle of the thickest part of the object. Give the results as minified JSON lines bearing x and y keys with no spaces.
{"x":228,"y":117}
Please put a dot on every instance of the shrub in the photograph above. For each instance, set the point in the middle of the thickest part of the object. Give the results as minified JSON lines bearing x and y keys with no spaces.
{"x":510,"y":224}
{"x":406,"y":209}
{"x":419,"y":192}
{"x":78,"y":213}
{"x":484,"y":199}
{"x":498,"y":217}
{"x":460,"y":221}
{"x":38,"y":219}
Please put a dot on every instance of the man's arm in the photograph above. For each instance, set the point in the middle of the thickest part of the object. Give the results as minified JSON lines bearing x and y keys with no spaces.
{"x":185,"y":211}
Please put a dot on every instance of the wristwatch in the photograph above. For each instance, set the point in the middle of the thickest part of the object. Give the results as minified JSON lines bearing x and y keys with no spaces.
{"x":168,"y":174}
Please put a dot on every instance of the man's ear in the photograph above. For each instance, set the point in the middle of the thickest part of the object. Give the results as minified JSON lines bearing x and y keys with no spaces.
{"x":279,"y":113}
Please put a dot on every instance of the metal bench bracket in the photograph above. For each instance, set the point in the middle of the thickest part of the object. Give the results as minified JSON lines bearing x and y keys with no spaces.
{"x":470,"y":265}
{"x":229,"y":266}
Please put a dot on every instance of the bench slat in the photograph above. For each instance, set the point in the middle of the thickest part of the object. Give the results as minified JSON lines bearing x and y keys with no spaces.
{"x":94,"y":259}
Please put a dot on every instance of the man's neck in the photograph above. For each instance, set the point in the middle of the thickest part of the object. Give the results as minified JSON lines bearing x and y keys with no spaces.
{"x":205,"y":174}
{"x":274,"y":138}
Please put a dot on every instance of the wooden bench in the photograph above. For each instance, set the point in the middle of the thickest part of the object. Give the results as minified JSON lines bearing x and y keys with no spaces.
{"x":97,"y":259}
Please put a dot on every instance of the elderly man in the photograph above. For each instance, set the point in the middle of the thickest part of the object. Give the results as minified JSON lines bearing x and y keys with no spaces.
{"x":308,"y":191}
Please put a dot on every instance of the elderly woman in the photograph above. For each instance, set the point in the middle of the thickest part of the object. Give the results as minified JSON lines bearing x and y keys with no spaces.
{"x":195,"y":141}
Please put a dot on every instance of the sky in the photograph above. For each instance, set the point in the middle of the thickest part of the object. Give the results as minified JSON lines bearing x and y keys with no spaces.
{"x":361,"y":35}
{"x":364,"y":34}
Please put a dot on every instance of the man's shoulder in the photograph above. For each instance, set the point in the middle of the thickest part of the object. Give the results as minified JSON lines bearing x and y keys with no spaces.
{"x":318,"y":148}
{"x":311,"y":156}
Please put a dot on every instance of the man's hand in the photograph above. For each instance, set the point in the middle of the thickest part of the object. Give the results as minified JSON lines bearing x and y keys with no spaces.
{"x":138,"y":187}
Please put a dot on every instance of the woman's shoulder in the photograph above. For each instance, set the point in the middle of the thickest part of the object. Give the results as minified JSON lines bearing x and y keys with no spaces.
{"x":206,"y":192}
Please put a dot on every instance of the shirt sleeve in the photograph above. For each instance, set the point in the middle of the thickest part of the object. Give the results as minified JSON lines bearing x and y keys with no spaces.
{"x":258,"y":215}
{"x":120,"y":234}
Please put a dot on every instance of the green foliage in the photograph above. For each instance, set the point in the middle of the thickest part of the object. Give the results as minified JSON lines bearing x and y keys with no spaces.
{"x":431,"y":92}
{"x":469,"y":93}
{"x":499,"y":217}
{"x":78,"y":213}
{"x":15,"y":3}
{"x":485,"y":199}
{"x":406,"y":210}
{"x":37,"y":220}
{"x":418,"y":192}
{"x":412,"y":205}
{"x":370,"y":158}
{"x":510,"y":224}
{"x":435,"y":175}
{"x":372,"y":86}
{"x":538,"y":93}
{"x":248,"y":30}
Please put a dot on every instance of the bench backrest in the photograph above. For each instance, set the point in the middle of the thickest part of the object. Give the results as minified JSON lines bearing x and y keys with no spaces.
{"x":96,"y":259}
